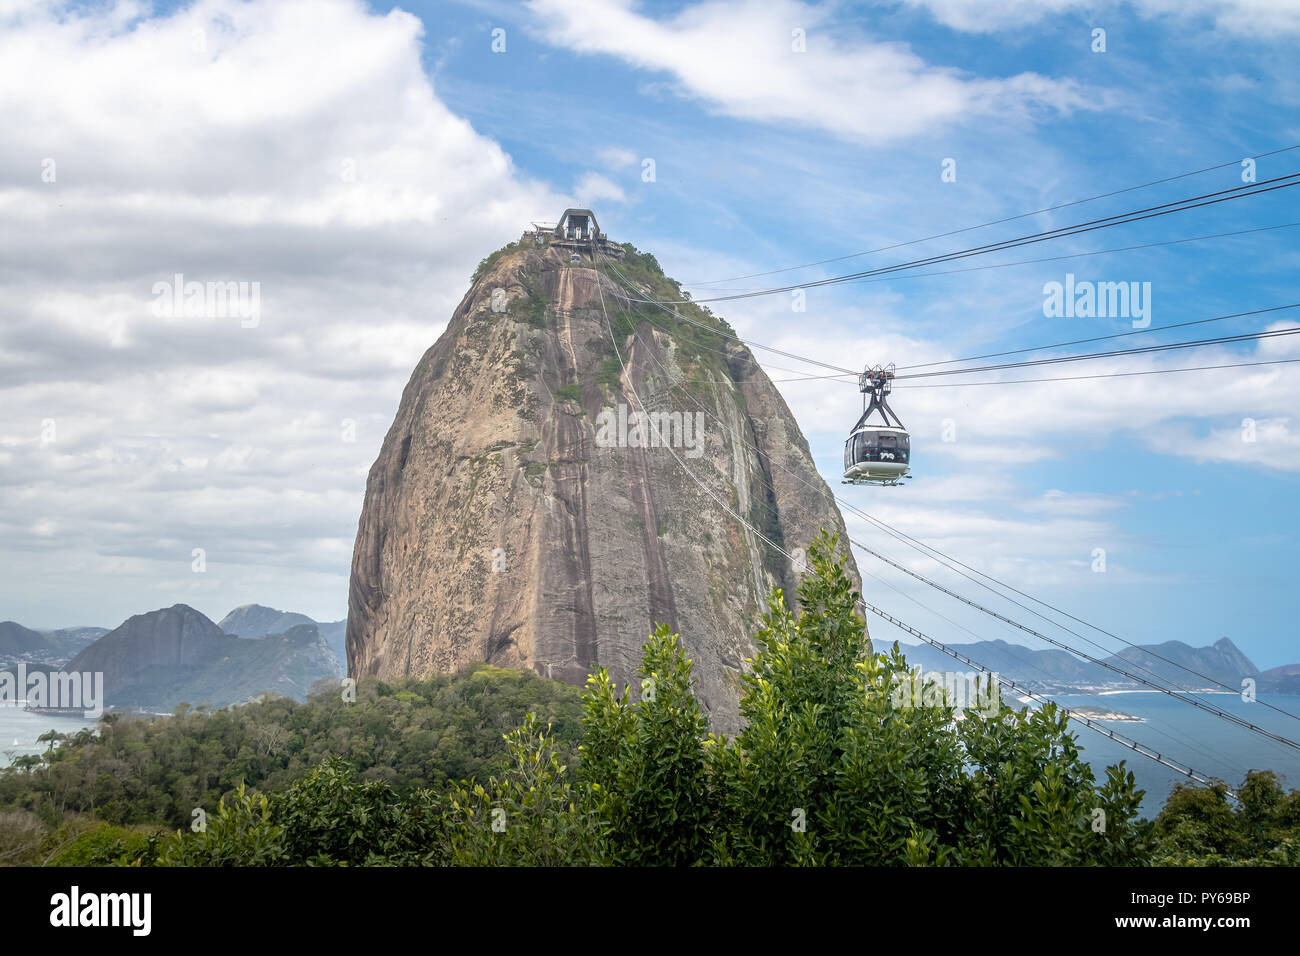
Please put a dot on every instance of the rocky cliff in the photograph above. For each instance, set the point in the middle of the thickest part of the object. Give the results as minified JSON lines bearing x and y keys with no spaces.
{"x":518,"y":515}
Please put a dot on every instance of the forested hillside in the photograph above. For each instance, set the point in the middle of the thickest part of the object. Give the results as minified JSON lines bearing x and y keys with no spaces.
{"x":495,"y":767}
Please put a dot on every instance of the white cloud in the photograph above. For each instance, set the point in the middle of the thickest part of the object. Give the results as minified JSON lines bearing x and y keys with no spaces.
{"x":738,"y":57}
{"x":591,"y":188}
{"x":1270,"y":443}
{"x":617,"y":157}
{"x":296,"y":144}
{"x":1256,"y":18}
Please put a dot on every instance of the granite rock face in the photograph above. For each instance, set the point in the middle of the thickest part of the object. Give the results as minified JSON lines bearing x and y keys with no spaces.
{"x":517,"y":515}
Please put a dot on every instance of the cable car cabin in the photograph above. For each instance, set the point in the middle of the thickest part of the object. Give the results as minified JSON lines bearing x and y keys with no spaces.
{"x":877,"y":453}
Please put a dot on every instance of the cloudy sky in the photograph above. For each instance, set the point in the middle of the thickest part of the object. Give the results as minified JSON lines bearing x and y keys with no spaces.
{"x":355,"y":162}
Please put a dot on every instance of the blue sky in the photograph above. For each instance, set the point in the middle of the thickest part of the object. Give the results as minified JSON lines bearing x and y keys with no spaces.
{"x":225,"y":124}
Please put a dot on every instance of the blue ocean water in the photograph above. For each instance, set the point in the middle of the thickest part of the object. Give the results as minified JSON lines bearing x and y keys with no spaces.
{"x":19,"y":730}
{"x":1208,"y":744}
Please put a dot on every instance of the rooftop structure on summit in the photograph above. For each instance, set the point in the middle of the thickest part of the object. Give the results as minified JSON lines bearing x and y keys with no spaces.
{"x":576,"y":229}
{"x":578,"y":224}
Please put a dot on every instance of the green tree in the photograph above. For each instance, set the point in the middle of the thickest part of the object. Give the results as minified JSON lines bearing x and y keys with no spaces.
{"x":828,"y":769}
{"x":532,"y":815}
{"x":1201,"y":826}
{"x":411,"y":735}
{"x":843,"y":762}
{"x":240,"y":833}
{"x":94,"y":843}
{"x":644,"y":763}
{"x":333,"y":818}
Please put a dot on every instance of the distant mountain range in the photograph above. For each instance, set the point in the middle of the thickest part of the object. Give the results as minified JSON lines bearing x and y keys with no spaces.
{"x":1283,"y":680}
{"x":160,"y":659}
{"x":18,"y":643}
{"x":1194,"y":668}
{"x":257,"y":620}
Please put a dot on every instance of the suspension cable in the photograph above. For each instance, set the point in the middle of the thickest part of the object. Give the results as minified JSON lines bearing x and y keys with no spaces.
{"x":1192,"y":699}
{"x":995,"y":222}
{"x":1150,"y":212}
{"x":1088,"y":722}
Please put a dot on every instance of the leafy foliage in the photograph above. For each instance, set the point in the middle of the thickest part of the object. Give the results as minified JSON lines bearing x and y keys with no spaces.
{"x":240,"y":833}
{"x":840,"y":763}
{"x":334,"y":818}
{"x":1200,"y":827}
{"x":409,"y":734}
{"x":645,"y":763}
{"x":487,"y":262}
{"x":330,"y":818}
{"x":834,"y":766}
{"x":94,"y":843}
{"x":531,"y":816}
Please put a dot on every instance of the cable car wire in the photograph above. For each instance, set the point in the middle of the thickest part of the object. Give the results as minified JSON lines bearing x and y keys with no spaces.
{"x":1234,"y":193}
{"x":948,"y":561}
{"x":1134,"y":745}
{"x":1150,"y":212}
{"x":1062,"y":378}
{"x":849,"y":506}
{"x":1080,"y":378}
{"x":1068,"y":255}
{"x":994,"y":222}
{"x":1155,"y":725}
{"x":853,"y":375}
{"x":1138,"y":350}
{"x":1170,"y":346}
{"x":1194,"y":701}
{"x":1099,"y":338}
{"x":1077,"y":255}
{"x":1187,"y":696}
{"x":1007,"y":381}
{"x":1013,"y":218}
{"x":1129,"y":742}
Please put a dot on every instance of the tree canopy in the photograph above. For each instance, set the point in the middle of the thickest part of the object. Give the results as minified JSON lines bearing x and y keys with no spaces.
{"x":847,"y":757}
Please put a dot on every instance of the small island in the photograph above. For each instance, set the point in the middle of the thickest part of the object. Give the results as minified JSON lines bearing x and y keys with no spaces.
{"x":1102,"y":713}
